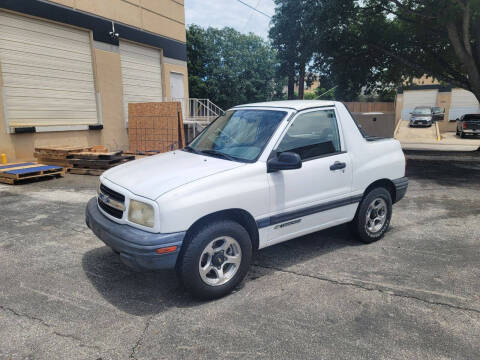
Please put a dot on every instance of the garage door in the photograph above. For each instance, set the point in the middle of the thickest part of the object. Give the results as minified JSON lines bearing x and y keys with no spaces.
{"x":463,"y":102}
{"x":47,"y":73}
{"x":414,"y":98}
{"x":141,"y":74}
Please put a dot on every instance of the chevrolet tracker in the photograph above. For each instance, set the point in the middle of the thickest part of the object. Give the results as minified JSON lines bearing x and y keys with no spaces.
{"x":258,"y":175}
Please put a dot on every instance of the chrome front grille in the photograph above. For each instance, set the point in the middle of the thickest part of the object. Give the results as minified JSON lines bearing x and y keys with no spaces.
{"x":110,"y":201}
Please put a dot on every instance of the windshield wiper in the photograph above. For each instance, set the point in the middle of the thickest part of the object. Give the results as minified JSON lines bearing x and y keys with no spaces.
{"x":219,"y":154}
{"x":191,"y":149}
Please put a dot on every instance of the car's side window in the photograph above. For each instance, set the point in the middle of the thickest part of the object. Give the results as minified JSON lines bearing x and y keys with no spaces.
{"x":312,"y":134}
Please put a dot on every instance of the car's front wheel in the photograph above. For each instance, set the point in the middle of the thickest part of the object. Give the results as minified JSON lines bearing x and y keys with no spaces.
{"x":215,"y":260}
{"x":373,"y":215}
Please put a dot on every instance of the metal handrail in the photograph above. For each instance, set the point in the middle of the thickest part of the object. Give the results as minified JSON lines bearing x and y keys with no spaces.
{"x":195,"y":109}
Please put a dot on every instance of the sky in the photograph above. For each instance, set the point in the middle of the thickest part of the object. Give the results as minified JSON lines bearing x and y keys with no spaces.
{"x":232,"y":13}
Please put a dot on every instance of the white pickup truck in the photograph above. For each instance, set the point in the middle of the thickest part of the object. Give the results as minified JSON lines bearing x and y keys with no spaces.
{"x":259,"y":175}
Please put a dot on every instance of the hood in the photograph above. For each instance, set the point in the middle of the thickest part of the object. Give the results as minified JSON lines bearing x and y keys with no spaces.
{"x":153,"y":176}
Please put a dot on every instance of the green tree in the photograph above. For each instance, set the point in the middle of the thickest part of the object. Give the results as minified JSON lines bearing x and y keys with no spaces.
{"x":231,"y":68}
{"x":378,"y":44}
{"x":292,"y":35}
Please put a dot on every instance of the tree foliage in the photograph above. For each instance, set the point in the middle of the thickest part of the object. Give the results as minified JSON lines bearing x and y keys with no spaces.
{"x":292,"y":35}
{"x":231,"y":68}
{"x":379,"y":44}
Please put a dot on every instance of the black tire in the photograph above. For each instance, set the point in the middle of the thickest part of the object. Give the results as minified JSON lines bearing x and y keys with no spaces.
{"x":463,"y":135}
{"x":188,"y":263}
{"x":457,"y":133}
{"x":359,"y":223}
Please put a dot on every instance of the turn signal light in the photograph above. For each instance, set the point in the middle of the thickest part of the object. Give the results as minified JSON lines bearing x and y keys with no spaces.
{"x":166,"y":250}
{"x":464,"y":125}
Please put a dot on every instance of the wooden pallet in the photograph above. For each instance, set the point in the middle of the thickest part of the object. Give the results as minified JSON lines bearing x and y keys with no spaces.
{"x":98,"y":160}
{"x":56,"y":155}
{"x":60,"y":149}
{"x":97,"y":164}
{"x":80,"y":171}
{"x":94,"y":163}
{"x":142,"y":153}
{"x":59,"y":154}
{"x":16,"y":172}
{"x":95,"y":155}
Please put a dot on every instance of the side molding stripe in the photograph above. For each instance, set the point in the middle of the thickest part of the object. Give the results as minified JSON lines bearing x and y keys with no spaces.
{"x":290,"y":215}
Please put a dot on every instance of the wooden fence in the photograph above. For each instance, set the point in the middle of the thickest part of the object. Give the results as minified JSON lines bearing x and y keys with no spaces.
{"x":366,"y":107}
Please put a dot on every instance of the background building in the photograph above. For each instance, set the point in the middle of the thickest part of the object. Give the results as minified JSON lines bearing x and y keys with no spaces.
{"x":68,"y":69}
{"x":455,"y":101}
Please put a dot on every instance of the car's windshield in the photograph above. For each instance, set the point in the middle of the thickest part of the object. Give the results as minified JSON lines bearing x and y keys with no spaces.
{"x":422,"y":111}
{"x":238,"y":135}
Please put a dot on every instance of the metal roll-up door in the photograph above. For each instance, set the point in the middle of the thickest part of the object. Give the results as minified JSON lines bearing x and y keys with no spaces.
{"x":414,"y":98}
{"x":141,"y":74}
{"x":463,"y":102}
{"x":47,"y":73}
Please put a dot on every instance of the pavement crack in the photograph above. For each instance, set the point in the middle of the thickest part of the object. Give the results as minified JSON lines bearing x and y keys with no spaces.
{"x":75,"y":338}
{"x":363,"y":286}
{"x":140,"y":339}
{"x":16,"y":313}
{"x":42,"y":322}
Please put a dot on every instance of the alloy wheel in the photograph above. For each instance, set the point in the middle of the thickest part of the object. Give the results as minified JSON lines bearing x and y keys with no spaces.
{"x":220,"y":261}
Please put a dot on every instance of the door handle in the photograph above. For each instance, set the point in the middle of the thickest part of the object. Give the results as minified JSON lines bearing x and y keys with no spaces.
{"x":338,"y":166}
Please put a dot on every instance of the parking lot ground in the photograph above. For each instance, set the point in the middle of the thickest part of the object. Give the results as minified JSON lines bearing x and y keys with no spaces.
{"x":413,"y":295}
{"x":426,"y":139}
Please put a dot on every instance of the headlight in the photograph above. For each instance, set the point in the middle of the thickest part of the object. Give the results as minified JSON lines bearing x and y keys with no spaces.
{"x":141,"y":213}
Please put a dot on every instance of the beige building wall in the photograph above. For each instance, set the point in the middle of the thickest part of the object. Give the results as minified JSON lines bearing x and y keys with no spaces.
{"x":398,"y":108}
{"x":168,"y":68}
{"x":164,"y":17}
{"x":444,"y":100}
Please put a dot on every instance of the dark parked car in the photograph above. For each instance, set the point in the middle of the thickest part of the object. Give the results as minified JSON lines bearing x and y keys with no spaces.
{"x":438,"y":113}
{"x":421,"y":116}
{"x":468,"y":124}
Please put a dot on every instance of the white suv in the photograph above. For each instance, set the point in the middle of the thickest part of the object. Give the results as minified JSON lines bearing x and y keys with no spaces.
{"x":259,"y":175}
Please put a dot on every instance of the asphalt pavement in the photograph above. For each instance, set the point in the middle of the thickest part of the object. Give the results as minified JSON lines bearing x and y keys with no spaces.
{"x":413,"y":295}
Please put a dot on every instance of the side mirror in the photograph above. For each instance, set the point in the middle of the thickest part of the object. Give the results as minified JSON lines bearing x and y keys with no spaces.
{"x":284,"y":161}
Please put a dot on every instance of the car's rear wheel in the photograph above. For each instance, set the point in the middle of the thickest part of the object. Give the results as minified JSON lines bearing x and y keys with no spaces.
{"x":215,"y":260}
{"x":372,"y":219}
{"x":463,"y":135}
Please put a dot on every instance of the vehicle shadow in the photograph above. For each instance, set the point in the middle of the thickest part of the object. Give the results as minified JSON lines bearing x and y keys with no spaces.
{"x":144,"y":293}
{"x":444,"y":173}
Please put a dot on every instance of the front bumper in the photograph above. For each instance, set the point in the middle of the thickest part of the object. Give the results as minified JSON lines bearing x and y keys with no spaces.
{"x":401,"y":186}
{"x":421,"y":123}
{"x":136,"y":247}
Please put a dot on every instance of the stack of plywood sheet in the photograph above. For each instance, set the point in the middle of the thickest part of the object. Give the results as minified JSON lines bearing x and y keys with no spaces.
{"x":155,"y":127}
{"x":15,"y":173}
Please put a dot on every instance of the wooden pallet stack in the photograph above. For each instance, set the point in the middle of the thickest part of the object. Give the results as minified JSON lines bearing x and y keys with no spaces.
{"x":57,"y":155}
{"x":94,"y":162}
{"x":15,"y":173}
